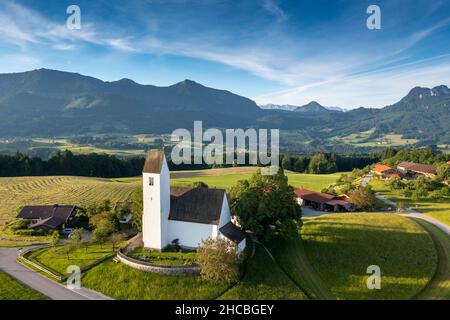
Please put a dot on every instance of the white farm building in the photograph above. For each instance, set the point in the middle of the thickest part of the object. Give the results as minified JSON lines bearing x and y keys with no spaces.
{"x":187,"y":214}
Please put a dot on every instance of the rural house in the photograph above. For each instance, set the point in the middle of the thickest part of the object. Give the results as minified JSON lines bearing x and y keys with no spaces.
{"x":48,"y":217}
{"x":322,"y":201}
{"x":188,"y":215}
{"x":412,"y":170}
{"x":385,"y":172}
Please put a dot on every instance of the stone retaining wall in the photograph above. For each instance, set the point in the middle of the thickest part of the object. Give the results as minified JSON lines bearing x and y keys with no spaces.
{"x":157,"y":268}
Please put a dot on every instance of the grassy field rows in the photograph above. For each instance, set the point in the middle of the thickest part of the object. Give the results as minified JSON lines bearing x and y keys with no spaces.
{"x":16,"y":192}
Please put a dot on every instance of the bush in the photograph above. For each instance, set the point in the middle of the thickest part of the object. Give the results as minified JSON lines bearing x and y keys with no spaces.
{"x":364,"y":198}
{"x":218,"y":261}
{"x":18,"y":224}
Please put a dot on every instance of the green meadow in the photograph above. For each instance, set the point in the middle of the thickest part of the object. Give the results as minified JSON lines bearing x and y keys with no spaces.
{"x":11,"y":289}
{"x":340,"y":248}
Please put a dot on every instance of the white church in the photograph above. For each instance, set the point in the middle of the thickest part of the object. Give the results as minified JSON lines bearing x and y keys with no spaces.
{"x":187,"y":214}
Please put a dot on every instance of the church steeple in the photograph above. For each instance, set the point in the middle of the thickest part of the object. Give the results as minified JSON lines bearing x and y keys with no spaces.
{"x":156,"y":200}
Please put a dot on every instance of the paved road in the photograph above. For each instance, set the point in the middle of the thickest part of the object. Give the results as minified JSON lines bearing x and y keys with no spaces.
{"x":385,"y":200}
{"x":34,"y":280}
{"x":414,"y":214}
{"x":365,"y":180}
{"x":410,"y":212}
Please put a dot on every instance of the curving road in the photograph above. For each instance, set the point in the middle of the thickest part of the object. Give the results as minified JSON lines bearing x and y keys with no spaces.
{"x":38,"y":282}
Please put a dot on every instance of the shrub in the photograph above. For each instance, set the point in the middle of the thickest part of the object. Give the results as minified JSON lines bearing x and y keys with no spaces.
{"x":218,"y":261}
{"x":364,"y":198}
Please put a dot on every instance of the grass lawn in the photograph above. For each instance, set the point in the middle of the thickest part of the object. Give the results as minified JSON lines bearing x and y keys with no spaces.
{"x":228,"y":179}
{"x":340,"y":247}
{"x":164,"y":258}
{"x":55,"y":259}
{"x":264,"y":280}
{"x":291,"y":256}
{"x":122,"y":282}
{"x":439,"y":209}
{"x":11,"y":240}
{"x":439,"y":286}
{"x":11,"y":289}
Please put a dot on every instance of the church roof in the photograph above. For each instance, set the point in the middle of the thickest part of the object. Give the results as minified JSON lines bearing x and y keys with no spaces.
{"x":232,"y":232}
{"x":154,"y":162}
{"x":198,"y":205}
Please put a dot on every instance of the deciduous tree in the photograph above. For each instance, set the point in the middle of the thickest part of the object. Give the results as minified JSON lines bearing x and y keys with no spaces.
{"x":265,"y":205}
{"x":218,"y":261}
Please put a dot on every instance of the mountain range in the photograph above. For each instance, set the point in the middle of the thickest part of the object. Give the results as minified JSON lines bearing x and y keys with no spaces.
{"x":48,"y":102}
{"x":313,"y":106}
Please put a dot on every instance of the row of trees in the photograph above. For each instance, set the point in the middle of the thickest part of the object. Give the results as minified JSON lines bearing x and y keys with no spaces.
{"x":324,"y":162}
{"x":66,"y":163}
{"x":427,"y":155}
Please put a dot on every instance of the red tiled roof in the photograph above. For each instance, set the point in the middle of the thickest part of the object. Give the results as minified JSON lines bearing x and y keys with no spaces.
{"x":338,"y":202}
{"x":381,"y":168}
{"x":317,"y":197}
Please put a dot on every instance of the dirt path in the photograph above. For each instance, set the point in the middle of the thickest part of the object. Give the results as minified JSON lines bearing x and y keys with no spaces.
{"x":439,"y":286}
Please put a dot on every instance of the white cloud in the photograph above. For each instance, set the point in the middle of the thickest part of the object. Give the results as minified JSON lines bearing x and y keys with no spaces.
{"x":372,"y":89}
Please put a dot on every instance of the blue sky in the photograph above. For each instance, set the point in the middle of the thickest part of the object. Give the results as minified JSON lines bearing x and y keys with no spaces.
{"x":271,"y":51}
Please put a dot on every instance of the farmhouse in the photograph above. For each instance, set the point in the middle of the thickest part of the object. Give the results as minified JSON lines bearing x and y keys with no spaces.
{"x":188,"y":215}
{"x":413,"y":170}
{"x":385,"y":172}
{"x":48,"y":217}
{"x":322,"y":201}
{"x":380,"y":169}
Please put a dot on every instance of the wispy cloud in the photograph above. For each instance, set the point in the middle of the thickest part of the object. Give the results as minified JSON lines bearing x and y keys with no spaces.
{"x":274,"y":8}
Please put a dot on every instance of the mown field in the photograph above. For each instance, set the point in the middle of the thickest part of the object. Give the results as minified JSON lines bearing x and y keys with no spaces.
{"x":439,"y":209}
{"x":340,"y":247}
{"x":16,"y":192}
{"x":11,"y":289}
{"x":20,"y":191}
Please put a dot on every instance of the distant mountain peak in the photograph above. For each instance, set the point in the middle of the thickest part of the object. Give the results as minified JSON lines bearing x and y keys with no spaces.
{"x":127,"y":81}
{"x":312,"y":106}
{"x":422,"y":92}
{"x":187,"y":82}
